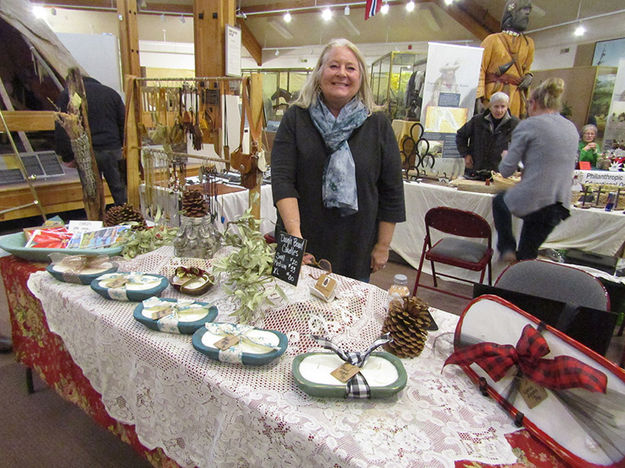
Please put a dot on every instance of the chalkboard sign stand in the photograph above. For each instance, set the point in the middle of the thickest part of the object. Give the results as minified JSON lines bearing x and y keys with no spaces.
{"x":287,"y":261}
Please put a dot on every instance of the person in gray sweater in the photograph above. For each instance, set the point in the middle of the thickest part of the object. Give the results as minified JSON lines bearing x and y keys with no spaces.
{"x":546,"y":145}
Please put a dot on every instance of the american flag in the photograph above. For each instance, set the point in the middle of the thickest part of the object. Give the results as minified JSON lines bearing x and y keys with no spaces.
{"x":373,"y":6}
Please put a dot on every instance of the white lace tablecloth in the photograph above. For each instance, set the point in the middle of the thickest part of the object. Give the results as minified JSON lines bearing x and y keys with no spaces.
{"x":205,"y":413}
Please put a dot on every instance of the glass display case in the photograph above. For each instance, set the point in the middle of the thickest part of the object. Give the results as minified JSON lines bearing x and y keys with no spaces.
{"x":396,"y":82}
{"x":280,"y":87}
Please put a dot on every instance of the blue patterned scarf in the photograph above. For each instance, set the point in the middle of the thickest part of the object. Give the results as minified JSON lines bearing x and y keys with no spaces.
{"x":339,"y":176}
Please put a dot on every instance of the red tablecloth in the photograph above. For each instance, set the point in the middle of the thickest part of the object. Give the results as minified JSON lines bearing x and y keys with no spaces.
{"x":37,"y":347}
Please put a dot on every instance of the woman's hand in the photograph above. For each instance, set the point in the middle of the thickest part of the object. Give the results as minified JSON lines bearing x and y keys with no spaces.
{"x":590,"y":146}
{"x":379,"y":257}
{"x":468,"y":161}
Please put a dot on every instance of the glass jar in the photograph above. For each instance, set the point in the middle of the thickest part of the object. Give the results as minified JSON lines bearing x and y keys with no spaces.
{"x":399,"y":288}
{"x":197,"y":238}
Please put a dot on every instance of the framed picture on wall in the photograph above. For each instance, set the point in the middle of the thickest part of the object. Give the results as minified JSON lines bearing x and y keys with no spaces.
{"x":608,"y":53}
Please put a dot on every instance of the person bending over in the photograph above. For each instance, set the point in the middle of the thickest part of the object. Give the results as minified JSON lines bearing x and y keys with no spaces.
{"x":546,"y":145}
{"x":336,"y":168}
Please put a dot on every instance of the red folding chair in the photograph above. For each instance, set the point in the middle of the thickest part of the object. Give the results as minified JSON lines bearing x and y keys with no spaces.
{"x":455,"y":251}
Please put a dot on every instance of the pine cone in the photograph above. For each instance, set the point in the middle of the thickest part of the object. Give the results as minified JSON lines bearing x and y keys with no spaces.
{"x":408,"y":323}
{"x":124,"y":214}
{"x":193,"y":204}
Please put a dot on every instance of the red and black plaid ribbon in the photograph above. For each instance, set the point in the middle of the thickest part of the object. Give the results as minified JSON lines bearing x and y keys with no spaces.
{"x":559,"y":373}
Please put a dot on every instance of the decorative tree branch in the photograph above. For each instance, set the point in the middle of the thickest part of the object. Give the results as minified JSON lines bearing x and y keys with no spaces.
{"x":76,"y":125}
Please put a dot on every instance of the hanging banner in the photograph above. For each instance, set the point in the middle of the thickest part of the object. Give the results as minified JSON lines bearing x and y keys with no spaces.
{"x":451,"y":79}
{"x":614,"y":134}
{"x":233,"y":51}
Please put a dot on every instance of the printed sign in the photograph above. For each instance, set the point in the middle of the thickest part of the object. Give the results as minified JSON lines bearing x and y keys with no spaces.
{"x":288,"y":259}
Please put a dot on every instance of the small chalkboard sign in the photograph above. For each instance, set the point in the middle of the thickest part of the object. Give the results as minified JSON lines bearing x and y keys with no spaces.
{"x":288,"y":259}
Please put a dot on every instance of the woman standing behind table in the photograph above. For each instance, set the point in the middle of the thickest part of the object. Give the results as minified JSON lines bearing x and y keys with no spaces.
{"x":336,"y":169}
{"x":588,"y":149}
{"x":546,"y":144}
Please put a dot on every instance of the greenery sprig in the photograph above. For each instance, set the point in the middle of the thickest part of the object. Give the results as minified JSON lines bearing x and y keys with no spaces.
{"x":248,"y":267}
{"x":138,"y":242}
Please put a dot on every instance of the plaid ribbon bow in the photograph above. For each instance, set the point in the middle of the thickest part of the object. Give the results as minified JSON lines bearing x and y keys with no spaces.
{"x":560,"y":373}
{"x":357,"y":386}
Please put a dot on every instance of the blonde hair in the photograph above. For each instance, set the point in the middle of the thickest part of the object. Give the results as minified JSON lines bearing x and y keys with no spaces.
{"x":548,"y":94}
{"x":312,"y":88}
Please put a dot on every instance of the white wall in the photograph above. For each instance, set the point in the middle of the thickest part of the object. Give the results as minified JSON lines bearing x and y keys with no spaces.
{"x":554,"y":57}
{"x":103,"y":65}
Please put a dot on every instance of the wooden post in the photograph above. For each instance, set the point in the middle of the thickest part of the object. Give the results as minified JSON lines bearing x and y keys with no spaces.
{"x":128,"y":37}
{"x":210,"y":18}
{"x":132,"y":141}
{"x":131,"y":68}
{"x":256,"y":105}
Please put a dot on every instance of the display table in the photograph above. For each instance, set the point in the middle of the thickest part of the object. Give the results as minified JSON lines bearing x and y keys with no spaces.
{"x":593,"y":230}
{"x":205,"y":413}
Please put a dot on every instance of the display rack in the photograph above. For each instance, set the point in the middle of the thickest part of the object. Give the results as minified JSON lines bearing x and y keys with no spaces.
{"x":176,"y":114}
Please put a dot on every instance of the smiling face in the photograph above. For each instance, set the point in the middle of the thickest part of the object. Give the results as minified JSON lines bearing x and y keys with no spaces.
{"x":589,"y":135}
{"x":340,"y":78}
{"x":498,"y":109}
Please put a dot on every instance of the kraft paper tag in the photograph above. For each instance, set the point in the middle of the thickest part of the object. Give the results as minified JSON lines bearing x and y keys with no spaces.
{"x":345,"y":372}
{"x":227,"y":342}
{"x":532,"y":393}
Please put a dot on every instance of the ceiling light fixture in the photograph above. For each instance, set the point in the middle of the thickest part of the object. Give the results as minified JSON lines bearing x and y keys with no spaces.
{"x":182,"y":20}
{"x":276,"y":53}
{"x":346,"y":11}
{"x":384,"y":9}
{"x":410,"y":6}
{"x":39,"y":12}
{"x":449,"y":2}
{"x":287,"y":17}
{"x":326,"y":14}
{"x":579,"y":30}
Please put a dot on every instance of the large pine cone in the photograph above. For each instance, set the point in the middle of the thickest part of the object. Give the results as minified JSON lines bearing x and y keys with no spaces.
{"x":194,"y":204}
{"x":124,"y":214}
{"x":408,"y":323}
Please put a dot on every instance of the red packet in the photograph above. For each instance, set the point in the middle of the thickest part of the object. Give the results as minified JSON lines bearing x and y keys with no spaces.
{"x":585,"y":166}
{"x":53,"y":238}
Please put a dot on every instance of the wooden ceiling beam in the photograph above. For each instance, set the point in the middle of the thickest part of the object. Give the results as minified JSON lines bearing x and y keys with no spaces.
{"x":471,"y":16}
{"x":250,"y":42}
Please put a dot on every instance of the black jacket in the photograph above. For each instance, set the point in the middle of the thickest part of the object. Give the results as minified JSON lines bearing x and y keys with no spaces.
{"x":485,"y":144}
{"x":105,"y":111}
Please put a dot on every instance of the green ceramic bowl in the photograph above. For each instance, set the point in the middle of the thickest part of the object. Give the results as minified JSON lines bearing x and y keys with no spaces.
{"x":14,"y":244}
{"x":384,"y":372}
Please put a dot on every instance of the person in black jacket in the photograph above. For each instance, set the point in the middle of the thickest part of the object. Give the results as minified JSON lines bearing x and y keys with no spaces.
{"x":106,"y":113}
{"x":483,"y":138}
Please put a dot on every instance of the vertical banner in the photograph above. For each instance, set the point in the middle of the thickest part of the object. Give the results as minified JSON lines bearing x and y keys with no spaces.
{"x":451,"y":79}
{"x":233,"y":51}
{"x":614,"y":134}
